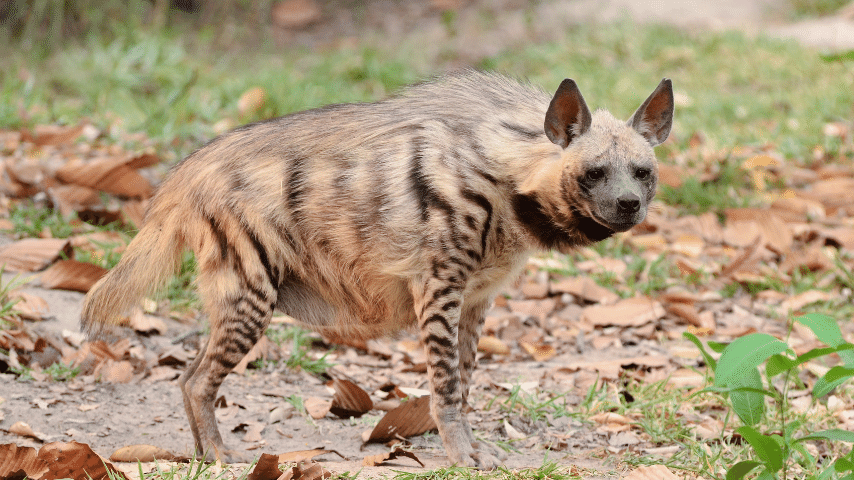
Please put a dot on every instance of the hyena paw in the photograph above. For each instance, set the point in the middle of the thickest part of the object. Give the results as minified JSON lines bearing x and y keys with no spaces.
{"x":477,"y":458}
{"x":489,"y":448}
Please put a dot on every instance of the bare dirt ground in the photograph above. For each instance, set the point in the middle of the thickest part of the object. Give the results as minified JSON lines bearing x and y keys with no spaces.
{"x":149,"y":411}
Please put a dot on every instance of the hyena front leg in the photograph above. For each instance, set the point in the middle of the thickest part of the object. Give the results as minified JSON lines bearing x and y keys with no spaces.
{"x":471,"y":324}
{"x":438,"y":304}
{"x":238,"y":312}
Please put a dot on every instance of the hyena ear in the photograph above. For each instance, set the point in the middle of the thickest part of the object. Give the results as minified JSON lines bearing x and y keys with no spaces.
{"x":654,"y":117}
{"x":568,"y":115}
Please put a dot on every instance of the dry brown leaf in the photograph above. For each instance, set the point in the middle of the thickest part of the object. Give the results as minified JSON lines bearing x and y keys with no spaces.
{"x":33,"y":254}
{"x":742,"y":234}
{"x":539,"y":309}
{"x":631,"y":312}
{"x":133,"y":211}
{"x":610,"y":417}
{"x":690,"y":314}
{"x":349,"y":399}
{"x":17,"y":339}
{"x":411,"y":418}
{"x":69,"y":199}
{"x":776,"y":232}
{"x":267,"y":468}
{"x":316,"y":407}
{"x":143,"y":160}
{"x":833,"y":193}
{"x":796,"y":209}
{"x":30,"y":307}
{"x":745,"y":260}
{"x":380,"y":458}
{"x":303,"y":455}
{"x":535,"y":290}
{"x":651,"y":472}
{"x":253,"y":432}
{"x":309,"y":470}
{"x":76,"y":461}
{"x":109,"y":175}
{"x":251,"y":100}
{"x":684,"y":377}
{"x":144,"y":453}
{"x":654,"y":242}
{"x":23,"y":429}
{"x":72,"y":275}
{"x":586,"y":289}
{"x":493,"y":345}
{"x":53,"y":134}
{"x":801,"y":300}
{"x":540,"y":351}
{"x":813,"y":258}
{"x":263,"y":349}
{"x":143,"y":323}
{"x":689,"y":245}
{"x":20,"y":462}
{"x":295,"y":14}
{"x":114,"y":371}
{"x":671,"y":175}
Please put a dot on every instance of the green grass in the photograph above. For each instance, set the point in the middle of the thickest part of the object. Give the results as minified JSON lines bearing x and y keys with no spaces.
{"x":300,"y":341}
{"x":547,"y":471}
{"x":816,"y":8}
{"x":31,"y":220}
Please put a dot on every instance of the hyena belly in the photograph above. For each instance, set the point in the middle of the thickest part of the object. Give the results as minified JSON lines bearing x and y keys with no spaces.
{"x":369,"y":316}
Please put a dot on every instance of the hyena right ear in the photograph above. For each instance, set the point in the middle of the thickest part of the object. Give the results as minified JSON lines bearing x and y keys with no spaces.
{"x":654,"y":117}
{"x":568,"y":115}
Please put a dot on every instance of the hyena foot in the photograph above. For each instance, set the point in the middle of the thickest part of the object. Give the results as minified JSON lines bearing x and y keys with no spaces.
{"x":489,"y":448}
{"x":465,"y":452}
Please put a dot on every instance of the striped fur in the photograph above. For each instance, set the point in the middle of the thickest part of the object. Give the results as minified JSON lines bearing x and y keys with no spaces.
{"x":360,"y":220}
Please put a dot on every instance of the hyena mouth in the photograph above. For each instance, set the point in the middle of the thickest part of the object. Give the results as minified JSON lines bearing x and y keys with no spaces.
{"x":594,"y":228}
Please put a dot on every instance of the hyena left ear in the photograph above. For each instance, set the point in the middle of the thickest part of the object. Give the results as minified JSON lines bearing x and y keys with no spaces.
{"x":568,"y":115}
{"x":654,"y":117}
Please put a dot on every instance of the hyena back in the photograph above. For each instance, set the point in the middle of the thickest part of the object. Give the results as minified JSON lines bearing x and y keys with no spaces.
{"x":363,"y":219}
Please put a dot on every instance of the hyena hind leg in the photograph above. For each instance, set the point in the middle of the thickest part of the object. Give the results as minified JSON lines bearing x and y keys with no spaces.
{"x":437,"y":304}
{"x":471,"y":325}
{"x":238,"y":314}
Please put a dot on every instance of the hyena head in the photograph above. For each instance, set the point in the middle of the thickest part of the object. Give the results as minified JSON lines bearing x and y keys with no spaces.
{"x":606,"y":172}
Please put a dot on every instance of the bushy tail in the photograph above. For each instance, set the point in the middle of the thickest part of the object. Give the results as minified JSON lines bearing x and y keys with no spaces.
{"x":149,"y":261}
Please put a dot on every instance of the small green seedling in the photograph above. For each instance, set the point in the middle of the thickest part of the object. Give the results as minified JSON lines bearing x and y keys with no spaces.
{"x":737,"y":376}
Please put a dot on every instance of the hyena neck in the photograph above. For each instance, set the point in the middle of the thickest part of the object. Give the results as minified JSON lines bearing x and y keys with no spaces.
{"x":554,"y":230}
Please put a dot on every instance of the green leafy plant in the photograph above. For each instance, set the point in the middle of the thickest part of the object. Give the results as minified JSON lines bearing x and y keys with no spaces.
{"x":738,"y":377}
{"x":62,"y":372}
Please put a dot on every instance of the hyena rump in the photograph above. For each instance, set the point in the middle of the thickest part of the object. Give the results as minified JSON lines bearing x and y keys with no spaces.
{"x":363,"y":219}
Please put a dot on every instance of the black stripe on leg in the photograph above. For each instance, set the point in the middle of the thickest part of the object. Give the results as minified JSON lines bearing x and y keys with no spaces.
{"x":262,"y":254}
{"x":450,"y":305}
{"x":436,"y":318}
{"x":220,"y":237}
{"x":444,"y":342}
{"x":483,"y":203}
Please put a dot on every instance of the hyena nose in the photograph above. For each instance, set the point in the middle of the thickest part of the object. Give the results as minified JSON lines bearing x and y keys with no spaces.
{"x":628,"y":203}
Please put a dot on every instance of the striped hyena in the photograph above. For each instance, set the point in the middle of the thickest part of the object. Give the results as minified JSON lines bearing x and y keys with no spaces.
{"x":363,"y":219}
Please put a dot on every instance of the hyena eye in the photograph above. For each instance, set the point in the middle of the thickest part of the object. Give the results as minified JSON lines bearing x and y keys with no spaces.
{"x":642,"y":173}
{"x":595,"y":174}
